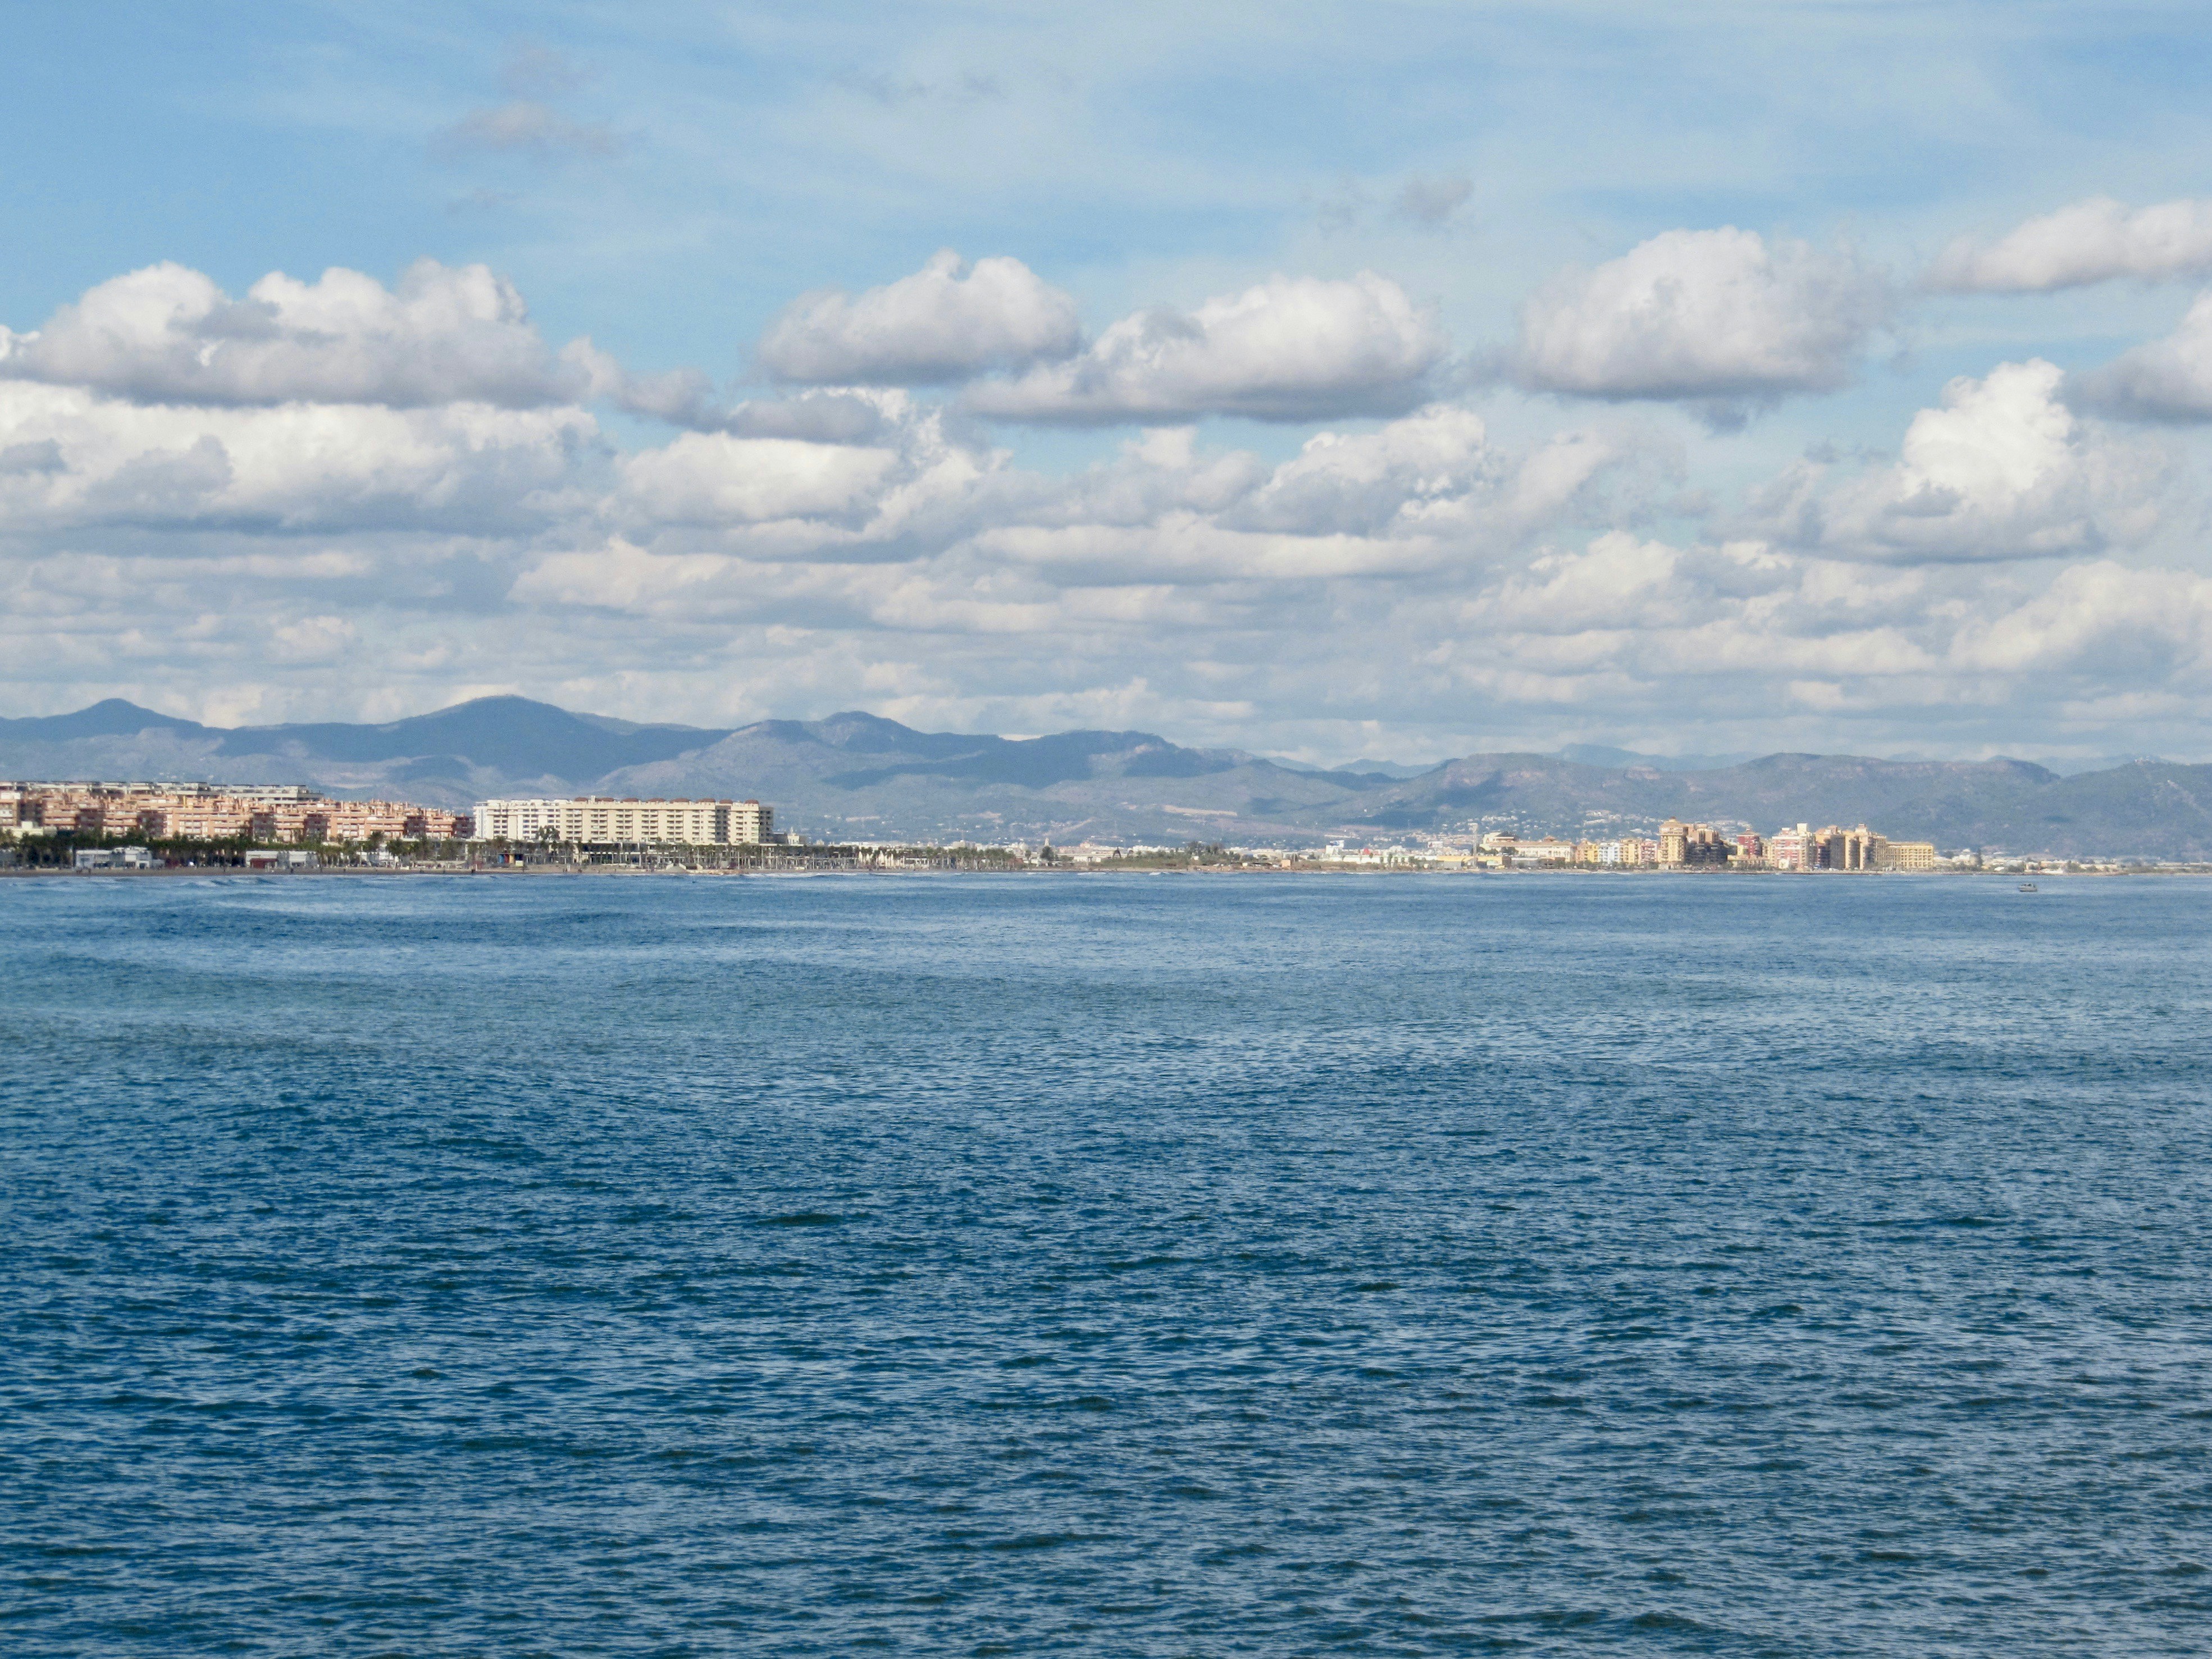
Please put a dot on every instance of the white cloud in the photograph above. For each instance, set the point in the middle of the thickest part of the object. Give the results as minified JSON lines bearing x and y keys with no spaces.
{"x":1424,"y":492}
{"x":168,"y":334}
{"x":714,"y":478}
{"x":1365,"y":483}
{"x":624,"y":576}
{"x":938,"y":326}
{"x":2101,"y":619}
{"x":857,"y":545}
{"x":2167,"y":379}
{"x":685,"y":396}
{"x":2087,"y":241}
{"x":2003,"y":470}
{"x":1710,"y":315}
{"x":904,"y":486}
{"x":1159,"y":472}
{"x":1618,"y":582}
{"x":703,"y":517}
{"x":845,"y":415}
{"x":311,"y":639}
{"x":1194,"y":549}
{"x":1292,"y":349}
{"x":86,"y":459}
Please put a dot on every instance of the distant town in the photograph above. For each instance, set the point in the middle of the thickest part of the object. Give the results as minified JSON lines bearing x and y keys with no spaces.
{"x":86,"y":826}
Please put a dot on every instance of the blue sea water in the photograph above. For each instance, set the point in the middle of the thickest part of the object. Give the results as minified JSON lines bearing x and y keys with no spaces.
{"x":1106,"y":1265}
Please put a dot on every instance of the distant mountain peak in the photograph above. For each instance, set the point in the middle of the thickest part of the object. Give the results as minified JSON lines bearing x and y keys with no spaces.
{"x":111,"y":717}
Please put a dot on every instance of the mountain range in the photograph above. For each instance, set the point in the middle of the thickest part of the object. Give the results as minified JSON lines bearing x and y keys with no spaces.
{"x":857,"y":776}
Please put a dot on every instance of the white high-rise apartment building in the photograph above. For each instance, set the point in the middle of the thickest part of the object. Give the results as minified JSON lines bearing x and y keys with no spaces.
{"x":603,"y":821}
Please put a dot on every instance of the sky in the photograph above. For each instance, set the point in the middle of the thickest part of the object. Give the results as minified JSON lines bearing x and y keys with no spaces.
{"x":1328,"y":381}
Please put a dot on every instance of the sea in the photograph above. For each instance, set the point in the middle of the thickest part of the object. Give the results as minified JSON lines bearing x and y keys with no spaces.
{"x":1113,"y":1265}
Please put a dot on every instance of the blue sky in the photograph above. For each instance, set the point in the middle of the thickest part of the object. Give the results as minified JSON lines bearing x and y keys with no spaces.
{"x":1319,"y":379}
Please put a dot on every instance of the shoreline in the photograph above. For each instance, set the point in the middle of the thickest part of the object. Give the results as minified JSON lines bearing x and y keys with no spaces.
{"x":222,"y":872}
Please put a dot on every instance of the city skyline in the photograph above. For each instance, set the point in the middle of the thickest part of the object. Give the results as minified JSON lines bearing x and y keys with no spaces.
{"x":855,"y":777}
{"x":1821,"y":380}
{"x":148,"y":813}
{"x":88,"y":816}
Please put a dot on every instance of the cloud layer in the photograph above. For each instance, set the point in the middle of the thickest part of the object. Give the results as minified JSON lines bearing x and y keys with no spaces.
{"x":336,"y":482}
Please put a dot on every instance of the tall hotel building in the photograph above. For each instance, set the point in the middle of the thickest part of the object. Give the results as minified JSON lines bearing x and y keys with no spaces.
{"x":602,"y":821}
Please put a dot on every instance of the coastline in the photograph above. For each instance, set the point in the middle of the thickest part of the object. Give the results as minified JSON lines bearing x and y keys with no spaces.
{"x":1304,"y":871}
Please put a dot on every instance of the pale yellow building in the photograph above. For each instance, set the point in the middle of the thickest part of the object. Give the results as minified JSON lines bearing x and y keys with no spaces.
{"x":201,"y":812}
{"x":1907,"y":855}
{"x":1852,"y":849}
{"x":1549,"y":850}
{"x":1681,"y":844}
{"x":603,"y":821}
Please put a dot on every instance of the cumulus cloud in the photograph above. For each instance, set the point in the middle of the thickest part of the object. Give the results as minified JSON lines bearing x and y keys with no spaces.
{"x":2083,"y":242}
{"x":168,"y":334}
{"x":944,"y":323}
{"x":1198,"y":549}
{"x":82,"y":459}
{"x":1418,"y":494}
{"x":1429,"y":492}
{"x":2003,"y":469}
{"x":1715,"y":316}
{"x":809,"y":496}
{"x":1619,"y":581}
{"x":2102,"y":619}
{"x":685,"y":396}
{"x":171,"y":520}
{"x":1292,"y":349}
{"x":840,"y":416}
{"x":1435,"y":479}
{"x":714,"y":479}
{"x":1161,"y":472}
{"x":1626,"y":622}
{"x":2167,"y":379}
{"x":1363,"y":484}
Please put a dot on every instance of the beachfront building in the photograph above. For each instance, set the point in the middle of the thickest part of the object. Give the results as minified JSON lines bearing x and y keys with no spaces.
{"x":1548,"y":851}
{"x":1793,"y":848}
{"x":1837,"y":849}
{"x":603,"y":821}
{"x":1501,"y":849}
{"x":1850,"y":849}
{"x":1689,"y":845}
{"x":216,"y":811}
